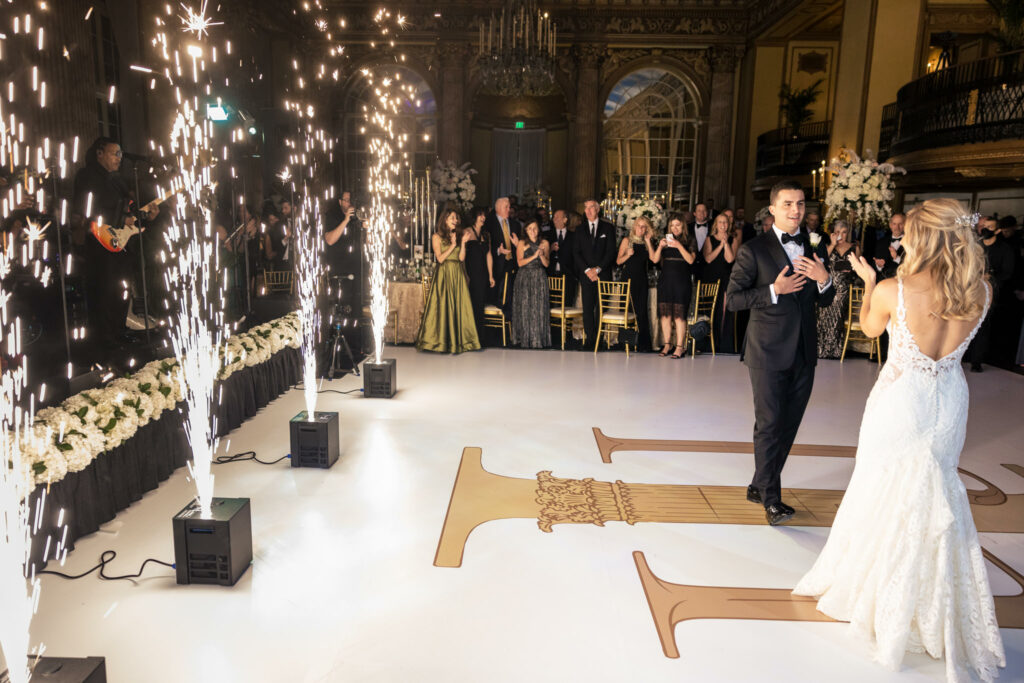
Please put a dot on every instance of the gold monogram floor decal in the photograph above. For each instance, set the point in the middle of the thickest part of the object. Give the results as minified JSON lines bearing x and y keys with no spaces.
{"x":479,"y":496}
{"x":672,"y":603}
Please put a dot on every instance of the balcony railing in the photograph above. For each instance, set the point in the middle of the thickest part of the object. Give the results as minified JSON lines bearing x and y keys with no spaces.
{"x":780,"y":153}
{"x":980,"y":101}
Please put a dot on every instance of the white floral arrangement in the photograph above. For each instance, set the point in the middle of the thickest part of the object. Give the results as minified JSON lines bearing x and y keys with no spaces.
{"x":860,"y":190}
{"x":635,"y":208}
{"x":68,"y":437}
{"x":454,"y":183}
{"x":536,"y":197}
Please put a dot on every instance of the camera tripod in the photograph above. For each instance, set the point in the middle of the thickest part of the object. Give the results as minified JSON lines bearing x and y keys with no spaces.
{"x":337,"y":345}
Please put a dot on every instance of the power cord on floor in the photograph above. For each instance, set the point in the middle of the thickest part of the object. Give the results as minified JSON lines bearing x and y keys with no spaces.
{"x":106,"y":557}
{"x":332,"y":391}
{"x":246,"y":455}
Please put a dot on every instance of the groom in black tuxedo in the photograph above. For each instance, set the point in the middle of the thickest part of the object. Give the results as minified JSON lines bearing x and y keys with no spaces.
{"x":780,"y":277}
{"x":593,"y":255}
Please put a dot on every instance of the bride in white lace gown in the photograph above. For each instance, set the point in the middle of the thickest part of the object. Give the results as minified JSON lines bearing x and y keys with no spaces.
{"x":902,"y":563}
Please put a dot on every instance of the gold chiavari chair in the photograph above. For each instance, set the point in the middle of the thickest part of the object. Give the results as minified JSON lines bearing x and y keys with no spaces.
{"x":494,"y":316}
{"x":853,"y":330}
{"x":615,"y":311}
{"x":703,"y":307}
{"x":562,"y":315}
{"x":278,"y":281}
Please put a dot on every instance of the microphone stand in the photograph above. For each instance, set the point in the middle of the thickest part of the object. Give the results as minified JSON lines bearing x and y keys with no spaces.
{"x":142,"y":257}
{"x":63,"y":286}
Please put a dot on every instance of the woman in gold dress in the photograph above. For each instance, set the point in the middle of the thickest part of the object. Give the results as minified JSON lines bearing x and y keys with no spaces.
{"x":448,"y":325}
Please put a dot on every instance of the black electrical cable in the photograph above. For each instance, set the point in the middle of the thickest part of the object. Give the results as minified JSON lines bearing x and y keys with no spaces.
{"x":331,"y":391}
{"x":106,"y":557}
{"x":246,"y":455}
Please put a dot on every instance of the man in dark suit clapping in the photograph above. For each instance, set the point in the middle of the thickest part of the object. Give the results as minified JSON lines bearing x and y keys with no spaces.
{"x":781,"y":278}
{"x":504,"y":230}
{"x":593,"y":254}
{"x":561,"y":262}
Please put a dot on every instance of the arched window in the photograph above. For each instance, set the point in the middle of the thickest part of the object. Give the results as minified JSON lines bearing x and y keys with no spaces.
{"x":417,"y":119}
{"x":651,"y":126}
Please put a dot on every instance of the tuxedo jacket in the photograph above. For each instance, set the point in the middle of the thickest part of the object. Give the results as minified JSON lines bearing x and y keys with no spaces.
{"x":492,"y":226}
{"x":590,"y":252}
{"x":775,"y":330}
{"x":564,"y":256}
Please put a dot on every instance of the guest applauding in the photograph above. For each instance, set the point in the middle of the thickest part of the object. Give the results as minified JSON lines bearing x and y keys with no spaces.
{"x":479,"y":265}
{"x":561,"y":239}
{"x":593,"y":254}
{"x":531,"y":311}
{"x":831,"y":318}
{"x":676,"y":253}
{"x":448,"y":325}
{"x":634,"y":255}
{"x":719,"y":254}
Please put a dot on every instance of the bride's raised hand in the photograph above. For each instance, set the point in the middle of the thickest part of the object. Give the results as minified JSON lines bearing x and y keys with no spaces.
{"x":863,"y":269}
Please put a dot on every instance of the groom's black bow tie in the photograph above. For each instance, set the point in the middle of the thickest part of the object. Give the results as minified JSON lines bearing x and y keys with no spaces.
{"x":798,"y":238}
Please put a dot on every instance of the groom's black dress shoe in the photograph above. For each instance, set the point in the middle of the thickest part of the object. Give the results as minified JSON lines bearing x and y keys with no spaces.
{"x":775,"y":514}
{"x":753,"y":495}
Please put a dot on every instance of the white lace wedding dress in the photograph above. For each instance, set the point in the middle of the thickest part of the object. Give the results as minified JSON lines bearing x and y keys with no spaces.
{"x":902,"y":563}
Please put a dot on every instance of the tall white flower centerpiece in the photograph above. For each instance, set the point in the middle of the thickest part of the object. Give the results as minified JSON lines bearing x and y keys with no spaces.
{"x":860,"y":190}
{"x":454,"y":183}
{"x":635,"y":208}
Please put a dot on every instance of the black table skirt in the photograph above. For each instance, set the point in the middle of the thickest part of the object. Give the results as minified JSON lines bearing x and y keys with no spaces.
{"x":119,"y":477}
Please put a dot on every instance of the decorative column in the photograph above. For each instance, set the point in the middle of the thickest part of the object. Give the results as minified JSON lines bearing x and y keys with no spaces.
{"x":718,"y":161}
{"x":585,"y":143}
{"x":451,"y":145}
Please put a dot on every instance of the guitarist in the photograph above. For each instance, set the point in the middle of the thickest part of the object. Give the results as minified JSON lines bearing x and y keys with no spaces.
{"x":100,"y":192}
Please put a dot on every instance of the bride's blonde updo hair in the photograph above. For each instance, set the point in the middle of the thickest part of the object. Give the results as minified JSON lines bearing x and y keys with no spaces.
{"x":940,"y":238}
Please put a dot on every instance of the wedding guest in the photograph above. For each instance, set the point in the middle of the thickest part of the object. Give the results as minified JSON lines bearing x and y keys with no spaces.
{"x":719,"y":254}
{"x":479,"y":265}
{"x":764,"y":220}
{"x":1008,"y":309}
{"x":593,"y":254}
{"x":401,"y":235}
{"x":999,"y":259}
{"x":677,"y":252}
{"x":448,"y":325}
{"x":561,"y":237}
{"x":634,"y":255}
{"x":700,"y":229}
{"x":504,"y":231}
{"x":276,"y":239}
{"x":812,"y":223}
{"x":531,"y":310}
{"x":747,"y":230}
{"x":832,"y":318}
{"x":883,"y":246}
{"x":543,"y":220}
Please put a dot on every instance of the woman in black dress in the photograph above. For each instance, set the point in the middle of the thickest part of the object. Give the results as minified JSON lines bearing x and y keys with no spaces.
{"x":634,"y":254}
{"x":719,"y":254}
{"x":479,"y":266}
{"x":676,"y":253}
{"x":832,"y":318}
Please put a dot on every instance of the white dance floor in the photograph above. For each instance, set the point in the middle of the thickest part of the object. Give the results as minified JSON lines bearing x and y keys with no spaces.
{"x":344,"y":587}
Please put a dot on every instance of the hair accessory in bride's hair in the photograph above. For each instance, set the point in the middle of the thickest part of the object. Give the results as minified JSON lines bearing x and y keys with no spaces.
{"x":967,"y":221}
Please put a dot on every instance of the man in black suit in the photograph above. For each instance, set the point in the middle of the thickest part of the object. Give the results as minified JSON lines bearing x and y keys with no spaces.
{"x":781,"y":279}
{"x":504,"y":230}
{"x":700,"y":228}
{"x":748,"y":229}
{"x":593,"y":254}
{"x":885,"y":248}
{"x":561,"y":262}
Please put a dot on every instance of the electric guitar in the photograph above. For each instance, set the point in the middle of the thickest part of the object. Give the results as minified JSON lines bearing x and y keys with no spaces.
{"x":116,"y":238}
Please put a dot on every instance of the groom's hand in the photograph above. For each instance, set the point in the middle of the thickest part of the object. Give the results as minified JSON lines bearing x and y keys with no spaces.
{"x":787,"y":284}
{"x":813,"y":269}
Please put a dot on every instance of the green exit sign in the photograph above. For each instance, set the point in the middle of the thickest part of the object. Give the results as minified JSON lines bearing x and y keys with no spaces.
{"x":520,"y":125}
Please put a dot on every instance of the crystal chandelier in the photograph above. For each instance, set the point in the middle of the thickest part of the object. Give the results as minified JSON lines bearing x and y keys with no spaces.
{"x":516,"y":54}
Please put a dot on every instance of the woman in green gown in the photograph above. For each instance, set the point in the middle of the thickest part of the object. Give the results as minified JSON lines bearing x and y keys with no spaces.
{"x":448,"y":325}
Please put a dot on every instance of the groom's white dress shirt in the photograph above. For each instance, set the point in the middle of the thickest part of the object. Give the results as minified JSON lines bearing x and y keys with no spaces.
{"x":794,"y":250}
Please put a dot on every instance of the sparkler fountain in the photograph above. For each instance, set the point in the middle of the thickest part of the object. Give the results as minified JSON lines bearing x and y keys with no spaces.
{"x":26,"y":456}
{"x":208,"y":526}
{"x":387,"y":157}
